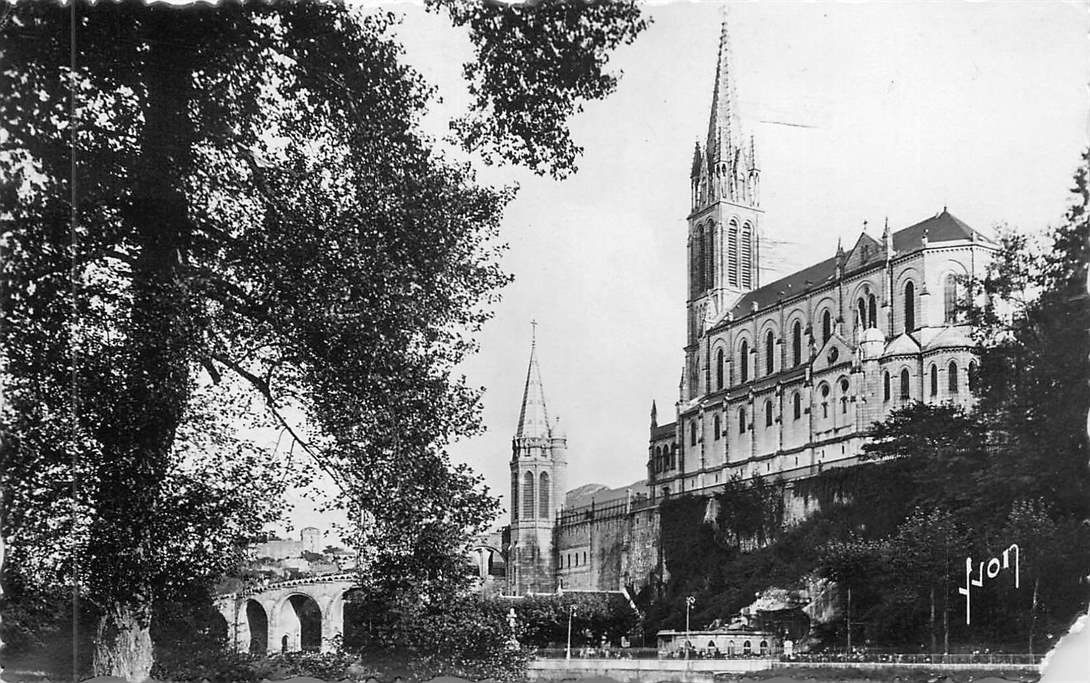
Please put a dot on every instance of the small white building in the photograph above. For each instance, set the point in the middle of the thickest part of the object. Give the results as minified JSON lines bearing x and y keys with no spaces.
{"x":735,"y":640}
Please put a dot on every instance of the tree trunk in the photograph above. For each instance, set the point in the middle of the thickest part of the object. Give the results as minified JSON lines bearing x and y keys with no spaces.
{"x":849,"y":618}
{"x":123,"y":645}
{"x":933,"y":645}
{"x":1033,"y":614}
{"x":945,"y":627}
{"x":159,"y":332}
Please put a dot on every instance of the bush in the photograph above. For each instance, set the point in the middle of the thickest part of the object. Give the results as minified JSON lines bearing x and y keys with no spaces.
{"x":466,"y":636}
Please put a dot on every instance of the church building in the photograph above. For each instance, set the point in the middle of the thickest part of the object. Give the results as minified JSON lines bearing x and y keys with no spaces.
{"x":780,"y":379}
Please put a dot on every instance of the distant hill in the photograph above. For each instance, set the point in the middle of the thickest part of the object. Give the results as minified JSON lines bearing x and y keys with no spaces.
{"x":600,"y":495}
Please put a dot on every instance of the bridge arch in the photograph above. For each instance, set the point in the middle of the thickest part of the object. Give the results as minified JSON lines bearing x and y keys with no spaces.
{"x":257,"y":628}
{"x":298,"y":618}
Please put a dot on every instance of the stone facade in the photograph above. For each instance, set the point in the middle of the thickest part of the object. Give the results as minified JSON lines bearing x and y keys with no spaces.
{"x":781,"y":379}
{"x":538,"y":481}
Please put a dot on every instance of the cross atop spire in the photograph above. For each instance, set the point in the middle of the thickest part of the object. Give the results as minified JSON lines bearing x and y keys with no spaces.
{"x":533,"y":417}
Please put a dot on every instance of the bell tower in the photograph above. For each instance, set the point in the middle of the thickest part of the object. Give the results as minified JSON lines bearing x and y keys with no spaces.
{"x":538,"y":483}
{"x":724,"y":216}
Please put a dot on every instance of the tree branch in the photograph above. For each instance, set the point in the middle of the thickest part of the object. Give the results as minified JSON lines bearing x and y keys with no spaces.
{"x":262,"y":386}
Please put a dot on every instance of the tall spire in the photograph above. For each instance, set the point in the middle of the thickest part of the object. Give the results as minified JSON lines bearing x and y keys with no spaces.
{"x":533,"y":418}
{"x":724,"y":131}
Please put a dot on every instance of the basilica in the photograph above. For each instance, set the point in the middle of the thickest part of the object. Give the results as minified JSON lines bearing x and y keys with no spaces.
{"x":780,"y":380}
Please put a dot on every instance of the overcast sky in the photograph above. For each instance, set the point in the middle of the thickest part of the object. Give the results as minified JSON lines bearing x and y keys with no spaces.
{"x":860,"y":111}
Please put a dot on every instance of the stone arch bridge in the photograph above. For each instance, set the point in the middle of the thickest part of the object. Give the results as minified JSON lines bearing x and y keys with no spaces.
{"x":286,"y":616}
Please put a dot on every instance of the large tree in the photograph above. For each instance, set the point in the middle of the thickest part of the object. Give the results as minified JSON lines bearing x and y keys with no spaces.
{"x":228,"y":201}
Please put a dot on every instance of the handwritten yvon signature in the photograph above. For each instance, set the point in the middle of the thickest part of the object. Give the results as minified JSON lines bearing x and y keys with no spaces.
{"x":994,"y":567}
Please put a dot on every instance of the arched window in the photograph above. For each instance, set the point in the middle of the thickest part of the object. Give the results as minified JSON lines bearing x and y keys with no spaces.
{"x":885,"y":387}
{"x":934,"y":380}
{"x":747,"y":648}
{"x":796,"y":344}
{"x":692,"y":433}
{"x":719,"y":369}
{"x":861,"y":306}
{"x":764,"y":647}
{"x":732,"y":255}
{"x":543,"y":497}
{"x":709,"y":256}
{"x":528,"y":495}
{"x":950,"y":296}
{"x":768,"y":413}
{"x":872,"y":311}
{"x":952,"y":378}
{"x":718,"y":426}
{"x":970,"y":376}
{"x":673,"y":457}
{"x":743,"y":361}
{"x":747,"y":256}
{"x":906,"y":390}
{"x":796,"y":405}
{"x":741,"y":420}
{"x":826,"y":326}
{"x":698,"y":256}
{"x":770,"y":350}
{"x":910,"y":306}
{"x":825,"y":400}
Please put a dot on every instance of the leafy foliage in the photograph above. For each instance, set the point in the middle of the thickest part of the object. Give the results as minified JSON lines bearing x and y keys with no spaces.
{"x":536,"y":63}
{"x":465,"y":635}
{"x":227,"y":215}
{"x":544,"y":619}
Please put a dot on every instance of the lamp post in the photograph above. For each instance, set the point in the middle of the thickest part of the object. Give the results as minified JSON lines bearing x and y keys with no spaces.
{"x":689,"y":601}
{"x":571,"y":612}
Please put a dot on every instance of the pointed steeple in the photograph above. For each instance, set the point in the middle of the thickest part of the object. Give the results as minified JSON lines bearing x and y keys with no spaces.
{"x":724,"y":130}
{"x":697,"y":158}
{"x":533,"y":418}
{"x":654,"y":414}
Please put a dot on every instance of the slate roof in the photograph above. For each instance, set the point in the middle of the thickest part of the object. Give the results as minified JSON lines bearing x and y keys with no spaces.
{"x":950,"y":337}
{"x":942,"y":227}
{"x":533,"y":417}
{"x":663,"y":431}
{"x":902,"y":344}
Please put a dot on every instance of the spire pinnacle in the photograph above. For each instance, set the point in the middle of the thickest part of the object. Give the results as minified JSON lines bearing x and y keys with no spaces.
{"x":533,"y":417}
{"x":723,"y":124}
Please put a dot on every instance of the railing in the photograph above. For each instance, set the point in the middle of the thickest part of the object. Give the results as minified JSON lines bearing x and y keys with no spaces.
{"x":983,"y":658}
{"x":582,"y":652}
{"x":587,"y":513}
{"x":253,"y":589}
